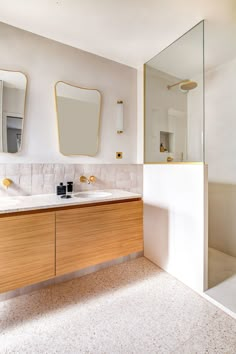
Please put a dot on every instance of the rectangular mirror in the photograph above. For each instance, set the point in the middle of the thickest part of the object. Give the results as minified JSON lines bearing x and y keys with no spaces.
{"x":12,"y":110}
{"x":78,"y":115}
{"x":174,"y":97}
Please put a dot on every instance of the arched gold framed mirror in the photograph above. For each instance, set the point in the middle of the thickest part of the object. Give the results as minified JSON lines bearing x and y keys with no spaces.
{"x":13,"y":86}
{"x":78,"y":116}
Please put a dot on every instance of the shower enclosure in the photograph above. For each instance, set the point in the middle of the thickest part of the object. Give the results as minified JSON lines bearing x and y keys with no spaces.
{"x":174,"y":170}
{"x":189,"y":126}
{"x":174,"y":110}
{"x":220,"y":106}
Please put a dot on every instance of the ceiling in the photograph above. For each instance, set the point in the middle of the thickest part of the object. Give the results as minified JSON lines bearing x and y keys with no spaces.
{"x":127,"y":31}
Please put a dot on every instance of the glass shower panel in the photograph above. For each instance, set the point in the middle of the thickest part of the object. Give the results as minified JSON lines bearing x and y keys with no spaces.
{"x":174,"y":101}
{"x":220,"y":143}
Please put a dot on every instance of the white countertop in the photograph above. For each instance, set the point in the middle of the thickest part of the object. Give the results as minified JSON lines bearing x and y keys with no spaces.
{"x":46,"y":201}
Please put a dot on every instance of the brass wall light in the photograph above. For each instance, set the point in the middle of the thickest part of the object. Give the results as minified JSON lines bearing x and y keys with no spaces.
{"x":120,"y":117}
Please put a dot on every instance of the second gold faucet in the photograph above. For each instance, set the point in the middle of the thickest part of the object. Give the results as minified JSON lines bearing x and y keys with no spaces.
{"x":90,"y":179}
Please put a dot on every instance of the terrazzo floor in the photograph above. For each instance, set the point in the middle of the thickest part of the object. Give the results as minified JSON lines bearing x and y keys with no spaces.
{"x":133,"y":307}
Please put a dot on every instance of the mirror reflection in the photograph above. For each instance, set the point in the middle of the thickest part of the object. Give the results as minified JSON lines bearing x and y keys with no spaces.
{"x":78,"y":113}
{"x":12,"y":106}
{"x":174,"y":101}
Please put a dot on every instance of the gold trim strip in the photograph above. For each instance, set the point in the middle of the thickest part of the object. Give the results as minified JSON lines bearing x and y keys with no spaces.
{"x":174,"y":163}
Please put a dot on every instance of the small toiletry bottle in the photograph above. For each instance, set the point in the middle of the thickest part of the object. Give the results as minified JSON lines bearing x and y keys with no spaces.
{"x":69,"y":187}
{"x":61,"y":189}
{"x":162,"y":149}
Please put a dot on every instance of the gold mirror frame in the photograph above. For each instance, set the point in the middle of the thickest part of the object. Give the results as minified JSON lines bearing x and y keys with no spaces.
{"x":57,"y":114}
{"x":23,"y":123}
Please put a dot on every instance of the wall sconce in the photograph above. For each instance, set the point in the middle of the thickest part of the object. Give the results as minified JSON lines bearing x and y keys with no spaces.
{"x":120,"y":117}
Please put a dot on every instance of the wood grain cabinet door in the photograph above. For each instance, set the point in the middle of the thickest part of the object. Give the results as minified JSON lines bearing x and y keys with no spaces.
{"x":94,"y":234}
{"x":27,"y":249}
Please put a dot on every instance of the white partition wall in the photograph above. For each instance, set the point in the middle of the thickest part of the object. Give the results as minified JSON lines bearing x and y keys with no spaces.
{"x":174,"y":220}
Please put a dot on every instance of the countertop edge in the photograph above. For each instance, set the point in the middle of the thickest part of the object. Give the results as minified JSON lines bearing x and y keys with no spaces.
{"x":69,"y":204}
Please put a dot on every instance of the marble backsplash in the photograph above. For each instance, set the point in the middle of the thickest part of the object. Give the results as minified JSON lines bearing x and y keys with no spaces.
{"x":30,"y":179}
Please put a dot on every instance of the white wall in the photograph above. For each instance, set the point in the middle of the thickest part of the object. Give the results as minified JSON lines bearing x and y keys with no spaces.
{"x":220,"y":155}
{"x":174,"y":221}
{"x":45,"y":62}
{"x":221,"y":123}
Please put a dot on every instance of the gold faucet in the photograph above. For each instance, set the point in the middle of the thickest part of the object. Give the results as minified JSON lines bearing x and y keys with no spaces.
{"x":90,"y":179}
{"x":7,"y":182}
{"x":169,"y":159}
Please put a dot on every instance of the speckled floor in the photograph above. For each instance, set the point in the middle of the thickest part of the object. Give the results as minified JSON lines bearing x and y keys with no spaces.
{"x":133,"y":307}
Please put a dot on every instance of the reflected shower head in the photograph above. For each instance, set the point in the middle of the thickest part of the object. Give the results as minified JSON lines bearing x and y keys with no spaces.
{"x":184,"y":85}
{"x":188,"y":85}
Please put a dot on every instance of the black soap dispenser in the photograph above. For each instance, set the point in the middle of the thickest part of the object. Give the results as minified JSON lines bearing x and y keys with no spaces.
{"x":61,"y":189}
{"x":69,"y":187}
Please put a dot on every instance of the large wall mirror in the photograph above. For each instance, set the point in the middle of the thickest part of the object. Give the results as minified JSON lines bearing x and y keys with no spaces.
{"x":78,"y":114}
{"x":12,"y":110}
{"x":174,"y":111}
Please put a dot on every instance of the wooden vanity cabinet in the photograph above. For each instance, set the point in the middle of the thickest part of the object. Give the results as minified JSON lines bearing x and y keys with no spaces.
{"x":36,"y":246}
{"x":27,"y":249}
{"x":90,"y":235}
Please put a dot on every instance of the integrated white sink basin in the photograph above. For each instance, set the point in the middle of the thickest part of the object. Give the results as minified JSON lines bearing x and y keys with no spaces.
{"x":93,"y":195}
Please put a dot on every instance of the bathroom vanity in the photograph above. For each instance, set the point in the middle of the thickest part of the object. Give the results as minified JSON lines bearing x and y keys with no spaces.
{"x":42,"y":240}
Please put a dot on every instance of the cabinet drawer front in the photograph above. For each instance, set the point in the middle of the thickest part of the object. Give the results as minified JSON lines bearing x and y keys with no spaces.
{"x":95,"y":234}
{"x":27,"y":249}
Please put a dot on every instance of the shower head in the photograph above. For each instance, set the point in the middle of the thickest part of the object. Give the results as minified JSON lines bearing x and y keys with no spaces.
{"x":188,"y":85}
{"x":184,"y":85}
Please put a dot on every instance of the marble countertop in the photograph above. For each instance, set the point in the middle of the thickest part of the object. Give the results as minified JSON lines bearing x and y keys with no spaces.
{"x":47,"y":201}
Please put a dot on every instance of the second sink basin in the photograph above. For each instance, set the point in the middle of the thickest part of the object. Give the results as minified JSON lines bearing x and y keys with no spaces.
{"x":94,"y":194}
{"x":8,"y":202}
